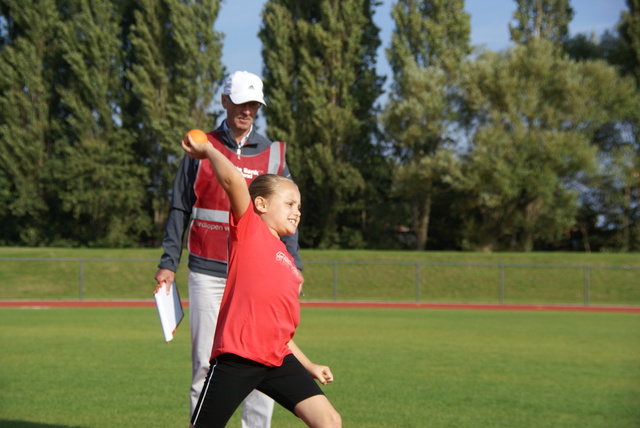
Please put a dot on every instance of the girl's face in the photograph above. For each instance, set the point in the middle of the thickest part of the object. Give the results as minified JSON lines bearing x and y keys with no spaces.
{"x":281,"y":210}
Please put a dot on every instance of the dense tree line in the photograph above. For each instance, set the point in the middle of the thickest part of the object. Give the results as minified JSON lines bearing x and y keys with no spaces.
{"x":320,"y":79}
{"x":93,"y":97}
{"x":533,"y":147}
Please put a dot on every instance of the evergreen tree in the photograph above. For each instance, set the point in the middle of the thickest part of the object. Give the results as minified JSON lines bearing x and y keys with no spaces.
{"x":174,"y":72}
{"x":102,"y":91}
{"x":101,"y":186}
{"x":541,"y":19}
{"x":430,"y":39}
{"x":28,"y":54}
{"x":619,"y":47}
{"x":629,"y":29}
{"x":320,"y":81}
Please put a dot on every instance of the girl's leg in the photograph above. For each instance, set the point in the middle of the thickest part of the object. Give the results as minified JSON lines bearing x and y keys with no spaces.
{"x":318,"y":412}
{"x":230,"y":380}
{"x":291,"y":386}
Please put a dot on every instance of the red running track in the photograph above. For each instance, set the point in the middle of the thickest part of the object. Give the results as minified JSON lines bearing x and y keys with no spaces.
{"x":327,"y":304}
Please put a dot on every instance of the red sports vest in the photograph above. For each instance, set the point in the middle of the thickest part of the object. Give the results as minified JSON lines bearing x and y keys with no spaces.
{"x":209,"y":230}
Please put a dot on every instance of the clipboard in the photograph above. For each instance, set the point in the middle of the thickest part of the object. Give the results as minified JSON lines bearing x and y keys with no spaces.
{"x":169,"y":309}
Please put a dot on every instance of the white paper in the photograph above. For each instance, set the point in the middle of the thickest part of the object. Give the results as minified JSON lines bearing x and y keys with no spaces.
{"x":169,"y":309}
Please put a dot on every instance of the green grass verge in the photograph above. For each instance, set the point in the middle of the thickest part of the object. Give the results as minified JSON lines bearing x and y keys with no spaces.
{"x":63,"y":368}
{"x":390,"y":276}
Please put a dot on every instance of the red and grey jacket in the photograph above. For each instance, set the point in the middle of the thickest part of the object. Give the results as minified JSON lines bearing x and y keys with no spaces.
{"x":209,"y":229}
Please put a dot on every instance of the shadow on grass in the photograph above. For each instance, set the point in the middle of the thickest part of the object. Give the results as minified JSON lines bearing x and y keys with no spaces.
{"x":4,"y":423}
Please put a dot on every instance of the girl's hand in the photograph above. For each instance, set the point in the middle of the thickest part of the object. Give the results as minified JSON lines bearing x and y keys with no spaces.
{"x":322,"y":373}
{"x":195,"y":150}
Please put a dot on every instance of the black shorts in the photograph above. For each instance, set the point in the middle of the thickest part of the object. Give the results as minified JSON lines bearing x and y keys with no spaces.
{"x":231,"y":378}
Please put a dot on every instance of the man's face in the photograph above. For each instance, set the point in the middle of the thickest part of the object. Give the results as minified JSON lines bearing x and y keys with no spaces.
{"x":240,"y":117}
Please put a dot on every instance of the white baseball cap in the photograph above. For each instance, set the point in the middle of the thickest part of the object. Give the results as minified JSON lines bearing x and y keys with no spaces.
{"x":242,"y":87}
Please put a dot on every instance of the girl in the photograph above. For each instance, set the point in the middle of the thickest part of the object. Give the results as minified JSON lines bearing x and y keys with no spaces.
{"x":253,"y":346}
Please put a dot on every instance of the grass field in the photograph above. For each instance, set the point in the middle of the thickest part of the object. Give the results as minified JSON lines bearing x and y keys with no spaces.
{"x":81,"y":368}
{"x":545,"y":278}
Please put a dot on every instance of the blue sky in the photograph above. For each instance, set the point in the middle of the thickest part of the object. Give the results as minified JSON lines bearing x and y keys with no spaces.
{"x":240,"y":21}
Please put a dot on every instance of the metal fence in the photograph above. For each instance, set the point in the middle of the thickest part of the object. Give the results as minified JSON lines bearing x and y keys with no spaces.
{"x":488,"y":282}
{"x":69,"y":277}
{"x":106,"y":278}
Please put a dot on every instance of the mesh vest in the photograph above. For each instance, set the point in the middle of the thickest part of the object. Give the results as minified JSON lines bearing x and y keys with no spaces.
{"x":209,"y":229}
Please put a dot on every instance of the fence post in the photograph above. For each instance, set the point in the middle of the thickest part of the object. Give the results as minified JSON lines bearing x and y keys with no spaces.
{"x":81,"y":285}
{"x":501,"y":286}
{"x":586,"y":286}
{"x":335,"y":281}
{"x":418,"y":282}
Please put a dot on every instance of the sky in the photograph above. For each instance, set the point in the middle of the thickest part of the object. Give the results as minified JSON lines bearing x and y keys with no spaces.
{"x":240,"y":22}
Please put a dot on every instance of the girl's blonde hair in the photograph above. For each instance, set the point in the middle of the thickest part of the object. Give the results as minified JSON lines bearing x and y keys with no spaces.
{"x":265,"y":185}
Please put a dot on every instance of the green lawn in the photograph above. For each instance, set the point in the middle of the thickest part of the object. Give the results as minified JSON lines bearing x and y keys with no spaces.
{"x":394,"y":368}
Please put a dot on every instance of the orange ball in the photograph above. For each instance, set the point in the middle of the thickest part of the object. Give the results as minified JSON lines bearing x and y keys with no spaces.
{"x":197,"y":136}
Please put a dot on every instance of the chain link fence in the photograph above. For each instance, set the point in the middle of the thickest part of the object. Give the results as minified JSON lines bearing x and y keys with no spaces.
{"x":104,"y":278}
{"x":473,"y":282}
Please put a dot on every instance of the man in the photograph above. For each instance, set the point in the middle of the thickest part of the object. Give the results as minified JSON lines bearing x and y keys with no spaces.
{"x":200,"y":206}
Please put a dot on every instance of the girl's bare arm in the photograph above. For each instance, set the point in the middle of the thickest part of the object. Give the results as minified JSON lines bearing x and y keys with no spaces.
{"x":227,"y":174}
{"x":320,"y":372}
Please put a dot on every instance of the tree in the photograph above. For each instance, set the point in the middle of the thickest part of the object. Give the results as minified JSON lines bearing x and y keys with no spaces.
{"x":430,"y":40}
{"x":614,"y":197}
{"x":541,"y":19}
{"x":102,"y":91}
{"x":101,"y":185}
{"x":27,"y":96}
{"x":609,"y":212}
{"x":320,"y":82}
{"x":629,"y":29}
{"x":174,"y":72}
{"x":536,"y":114}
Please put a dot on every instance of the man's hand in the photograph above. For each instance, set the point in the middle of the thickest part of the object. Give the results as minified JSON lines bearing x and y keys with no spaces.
{"x":167,"y":276}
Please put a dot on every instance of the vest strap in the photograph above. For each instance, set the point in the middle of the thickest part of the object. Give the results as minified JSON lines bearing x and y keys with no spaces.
{"x":218,"y":216}
{"x":275,"y":161}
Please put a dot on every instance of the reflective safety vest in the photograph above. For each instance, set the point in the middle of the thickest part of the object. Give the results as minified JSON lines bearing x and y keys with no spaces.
{"x":209,"y":230}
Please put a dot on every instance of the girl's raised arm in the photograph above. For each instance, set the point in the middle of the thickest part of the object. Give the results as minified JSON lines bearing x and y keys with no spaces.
{"x":227,"y":174}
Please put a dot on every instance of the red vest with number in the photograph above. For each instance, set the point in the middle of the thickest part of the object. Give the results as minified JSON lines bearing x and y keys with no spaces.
{"x":209,"y":231}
